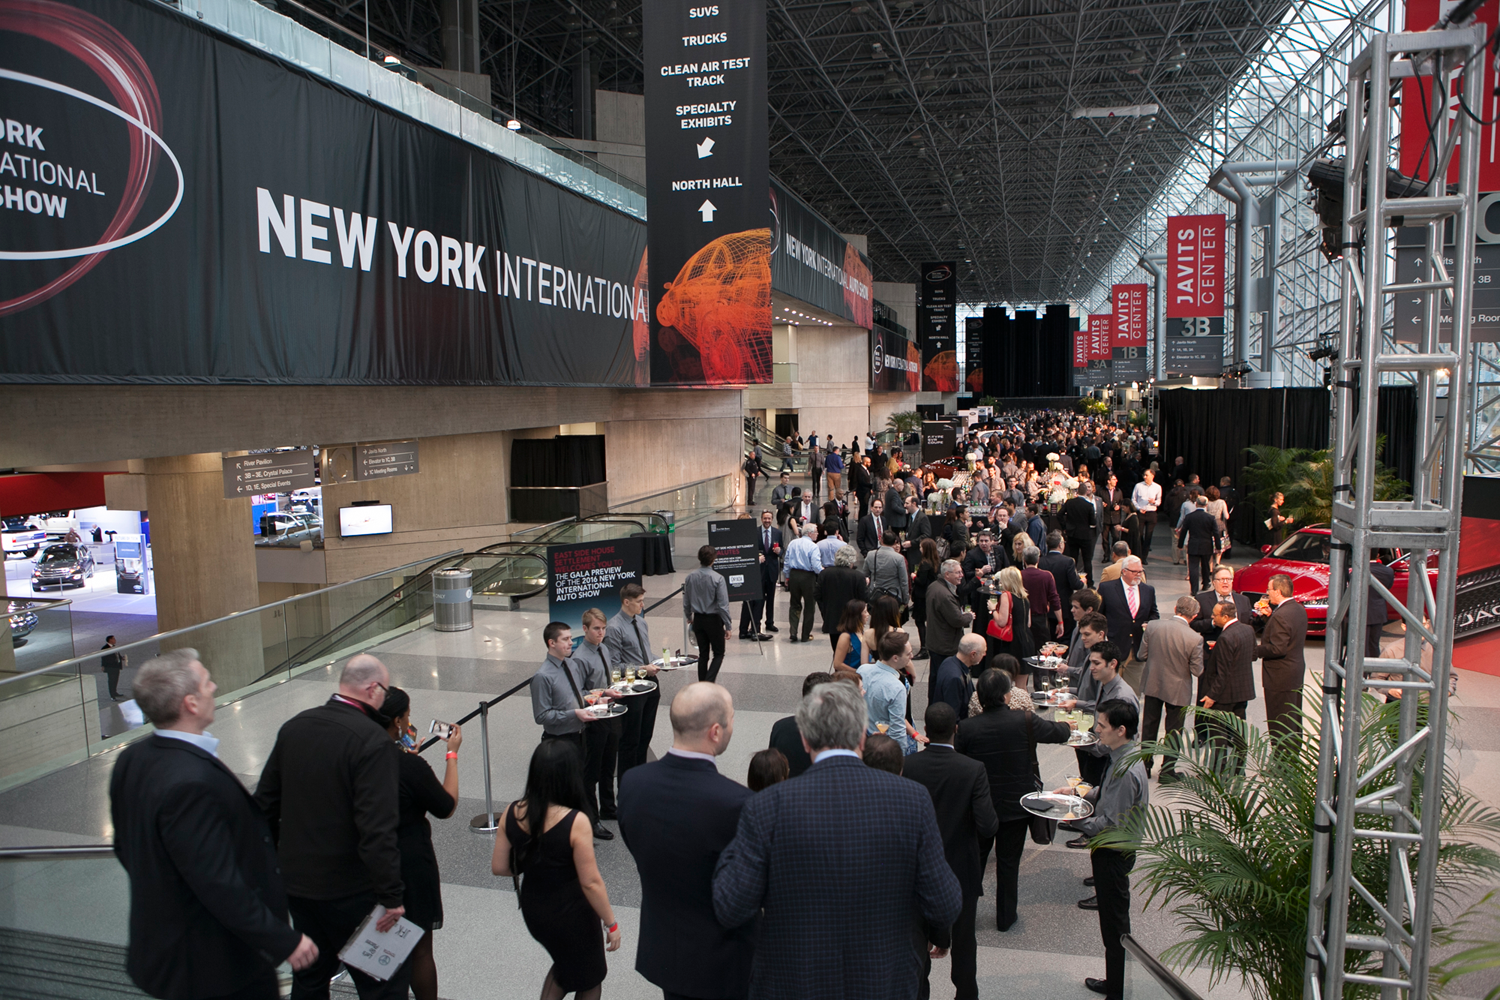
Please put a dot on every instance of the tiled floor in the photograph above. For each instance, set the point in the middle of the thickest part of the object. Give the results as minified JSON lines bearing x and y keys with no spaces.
{"x":484,"y":952}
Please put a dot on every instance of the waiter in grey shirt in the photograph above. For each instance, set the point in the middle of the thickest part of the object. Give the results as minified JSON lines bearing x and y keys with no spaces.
{"x":1100,"y":684}
{"x":628,"y":640}
{"x":705,"y":603}
{"x":557,"y":704}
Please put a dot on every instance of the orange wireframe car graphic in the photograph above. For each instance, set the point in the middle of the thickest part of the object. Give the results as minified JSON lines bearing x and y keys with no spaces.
{"x":976,"y":381}
{"x":720,"y":303}
{"x":941,"y":373}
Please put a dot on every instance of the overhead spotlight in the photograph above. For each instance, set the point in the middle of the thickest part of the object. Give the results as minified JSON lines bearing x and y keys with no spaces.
{"x":392,"y":61}
{"x":859,"y":7}
{"x":1177,"y":59}
{"x":513,"y":125}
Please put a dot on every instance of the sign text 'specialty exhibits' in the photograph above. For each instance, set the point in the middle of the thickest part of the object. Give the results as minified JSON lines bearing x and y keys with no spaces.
{"x":708,"y":192}
{"x":154,"y":234}
{"x":937,"y":322}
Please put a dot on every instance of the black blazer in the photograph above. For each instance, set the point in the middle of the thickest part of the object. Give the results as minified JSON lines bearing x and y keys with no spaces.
{"x":999,"y":739}
{"x":1204,"y":623}
{"x":207,"y":908}
{"x":677,"y":815}
{"x":786,"y":737}
{"x":330,"y":790}
{"x":1200,"y":533}
{"x":960,"y":790}
{"x":836,"y":586}
{"x":1078,"y":518}
{"x":1065,"y":571}
{"x":867,"y":537}
{"x":771,"y":568}
{"x":1124,"y":632}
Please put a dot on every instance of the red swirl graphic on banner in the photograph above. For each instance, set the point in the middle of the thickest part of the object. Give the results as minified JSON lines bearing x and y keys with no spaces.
{"x":101,"y":48}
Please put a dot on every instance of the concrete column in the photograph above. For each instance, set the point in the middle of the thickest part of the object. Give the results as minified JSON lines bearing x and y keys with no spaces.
{"x":203,"y":557}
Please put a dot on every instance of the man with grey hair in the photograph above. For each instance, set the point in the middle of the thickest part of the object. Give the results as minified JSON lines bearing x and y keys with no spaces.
{"x":946,"y":620}
{"x":893,"y":874}
{"x":803,"y":563}
{"x":208,"y":913}
{"x":887,"y":570}
{"x":1173,"y":654}
{"x":329,"y":790}
{"x":1128,"y":604}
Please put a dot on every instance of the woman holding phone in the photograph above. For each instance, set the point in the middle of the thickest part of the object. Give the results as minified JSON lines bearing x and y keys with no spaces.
{"x":421,"y":793}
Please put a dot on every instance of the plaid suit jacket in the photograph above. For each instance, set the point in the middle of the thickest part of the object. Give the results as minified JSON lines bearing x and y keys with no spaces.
{"x":848,"y":864}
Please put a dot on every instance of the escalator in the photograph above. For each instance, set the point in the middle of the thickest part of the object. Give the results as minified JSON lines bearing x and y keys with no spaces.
{"x":502,"y":574}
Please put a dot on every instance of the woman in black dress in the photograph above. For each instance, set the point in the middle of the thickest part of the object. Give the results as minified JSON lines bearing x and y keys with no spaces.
{"x":420,"y":794}
{"x":548,"y":838}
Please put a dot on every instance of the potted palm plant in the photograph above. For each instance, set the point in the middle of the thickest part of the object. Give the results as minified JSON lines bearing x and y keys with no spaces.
{"x":1230,"y":855}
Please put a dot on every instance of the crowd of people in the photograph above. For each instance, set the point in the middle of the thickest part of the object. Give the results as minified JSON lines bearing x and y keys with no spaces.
{"x":746,"y":888}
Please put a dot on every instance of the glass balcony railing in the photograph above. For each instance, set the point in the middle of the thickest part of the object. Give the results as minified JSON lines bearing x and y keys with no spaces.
{"x":41,"y":631}
{"x":62,"y":713}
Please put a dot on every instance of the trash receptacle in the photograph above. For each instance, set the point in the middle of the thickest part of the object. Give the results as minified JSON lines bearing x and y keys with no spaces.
{"x":671,"y":518}
{"x":452,"y":600}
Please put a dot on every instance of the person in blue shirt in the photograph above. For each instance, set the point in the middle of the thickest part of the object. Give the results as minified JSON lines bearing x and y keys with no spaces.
{"x":801,"y":566}
{"x":833,"y":468}
{"x":885,"y":692}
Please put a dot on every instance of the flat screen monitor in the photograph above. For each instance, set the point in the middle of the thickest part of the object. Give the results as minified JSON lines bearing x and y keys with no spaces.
{"x":374,"y":519}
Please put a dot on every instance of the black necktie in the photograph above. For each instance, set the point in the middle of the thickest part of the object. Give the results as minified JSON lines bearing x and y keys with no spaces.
{"x":640,"y":641}
{"x":768,"y":540}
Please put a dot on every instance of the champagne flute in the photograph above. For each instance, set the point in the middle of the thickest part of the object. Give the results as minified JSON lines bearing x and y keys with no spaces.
{"x":630,"y":675}
{"x":615,"y":675}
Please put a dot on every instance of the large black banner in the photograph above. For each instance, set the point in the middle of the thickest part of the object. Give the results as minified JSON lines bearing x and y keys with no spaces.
{"x":895,"y":359}
{"x":738,"y":557}
{"x":812,"y":262}
{"x":707,"y":177}
{"x":937,"y":318}
{"x":974,"y":354}
{"x":190,"y":210}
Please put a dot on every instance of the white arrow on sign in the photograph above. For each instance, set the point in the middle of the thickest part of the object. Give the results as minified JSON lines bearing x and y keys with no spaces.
{"x":706,"y":147}
{"x":707,"y":210}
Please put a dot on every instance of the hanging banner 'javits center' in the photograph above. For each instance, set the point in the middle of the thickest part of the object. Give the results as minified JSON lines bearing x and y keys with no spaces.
{"x":707,"y":186}
{"x":161,"y":238}
{"x":937,"y":322}
{"x":1129,"y":316}
{"x":1195,"y":266}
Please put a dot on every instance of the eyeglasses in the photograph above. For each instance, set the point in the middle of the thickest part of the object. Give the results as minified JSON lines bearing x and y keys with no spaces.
{"x":382,"y":687}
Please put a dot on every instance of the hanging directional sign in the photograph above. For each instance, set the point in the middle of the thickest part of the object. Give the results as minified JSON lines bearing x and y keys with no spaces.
{"x":381,"y":461}
{"x":1129,"y":316}
{"x":708,"y":192}
{"x":272,"y":472}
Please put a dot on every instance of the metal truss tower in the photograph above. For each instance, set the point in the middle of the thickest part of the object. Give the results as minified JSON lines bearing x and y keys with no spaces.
{"x":1373,"y":800}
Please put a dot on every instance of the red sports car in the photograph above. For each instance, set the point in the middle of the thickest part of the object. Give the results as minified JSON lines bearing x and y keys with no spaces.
{"x":1304,"y":558}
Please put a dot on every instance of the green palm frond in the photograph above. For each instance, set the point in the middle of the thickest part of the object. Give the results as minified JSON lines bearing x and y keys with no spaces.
{"x":1232,"y":855}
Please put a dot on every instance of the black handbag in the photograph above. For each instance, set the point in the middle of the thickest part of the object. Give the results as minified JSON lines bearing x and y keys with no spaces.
{"x":1043,"y":830}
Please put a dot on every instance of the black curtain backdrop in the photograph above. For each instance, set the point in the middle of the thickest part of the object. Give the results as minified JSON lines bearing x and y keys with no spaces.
{"x":1028,"y":356}
{"x":1212,"y":428}
{"x":574,"y":460}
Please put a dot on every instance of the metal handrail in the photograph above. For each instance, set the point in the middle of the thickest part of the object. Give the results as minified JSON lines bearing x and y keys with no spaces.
{"x":674,"y":489}
{"x":238,"y":614}
{"x":1168,"y":980}
{"x":57,"y":853}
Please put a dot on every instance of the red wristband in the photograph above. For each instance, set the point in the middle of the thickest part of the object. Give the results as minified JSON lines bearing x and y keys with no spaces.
{"x":451,"y":755}
{"x":613,"y":927}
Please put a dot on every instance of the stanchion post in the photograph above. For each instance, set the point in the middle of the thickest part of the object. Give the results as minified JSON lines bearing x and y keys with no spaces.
{"x":485,"y":822}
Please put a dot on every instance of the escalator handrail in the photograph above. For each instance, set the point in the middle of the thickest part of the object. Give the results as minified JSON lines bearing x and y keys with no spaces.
{"x":1165,"y":977}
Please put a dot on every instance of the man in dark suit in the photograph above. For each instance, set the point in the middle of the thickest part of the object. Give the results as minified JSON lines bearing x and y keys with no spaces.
{"x":1128,"y":604}
{"x":207,"y":905}
{"x":1065,"y":573}
{"x":980,"y":565}
{"x":1227,"y":685}
{"x":1200,"y":537}
{"x":1376,"y":610}
{"x":1282,"y":669}
{"x":1223,"y":590}
{"x":113,"y":663}
{"x":786,"y":737}
{"x":847,"y":922}
{"x":1079,"y":527}
{"x":330,"y":792}
{"x":1004,"y":741}
{"x":861,"y":481}
{"x":953,"y":683}
{"x":918,"y":527}
{"x":871,"y":527}
{"x":1113,"y":502}
{"x":960,"y":790}
{"x":768,"y":550}
{"x":676,"y":815}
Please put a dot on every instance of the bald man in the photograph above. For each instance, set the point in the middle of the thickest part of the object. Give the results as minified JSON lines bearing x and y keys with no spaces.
{"x":676,"y":815}
{"x":329,"y":790}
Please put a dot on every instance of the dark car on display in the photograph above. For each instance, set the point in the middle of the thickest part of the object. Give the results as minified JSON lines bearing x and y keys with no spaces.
{"x":22,"y":622}
{"x":60,"y":566}
{"x":1304,"y":558}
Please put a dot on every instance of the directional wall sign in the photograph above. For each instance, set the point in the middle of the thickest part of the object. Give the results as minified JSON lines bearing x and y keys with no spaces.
{"x":275,"y":472}
{"x":1484,"y":318}
{"x":1094,"y":376}
{"x":708,"y":191}
{"x":381,"y":461}
{"x":1128,"y":364}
